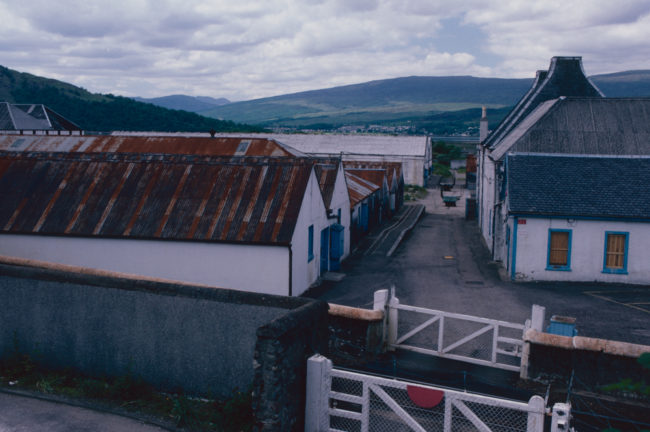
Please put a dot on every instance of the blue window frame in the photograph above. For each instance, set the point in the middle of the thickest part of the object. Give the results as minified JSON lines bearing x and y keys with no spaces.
{"x":310,"y":251}
{"x":615,"y":254}
{"x":558,"y":255}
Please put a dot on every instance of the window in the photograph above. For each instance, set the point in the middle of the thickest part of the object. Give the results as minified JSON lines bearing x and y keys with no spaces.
{"x":310,"y":251}
{"x":615,"y":259}
{"x":559,"y":250}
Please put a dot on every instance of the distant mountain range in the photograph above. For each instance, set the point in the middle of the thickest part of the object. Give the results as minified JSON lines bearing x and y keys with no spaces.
{"x":418,"y":99}
{"x":437,"y":105}
{"x":105,"y":113}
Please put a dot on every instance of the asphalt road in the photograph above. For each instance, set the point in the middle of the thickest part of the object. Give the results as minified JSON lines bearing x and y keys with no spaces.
{"x":18,"y":414}
{"x":443,"y":264}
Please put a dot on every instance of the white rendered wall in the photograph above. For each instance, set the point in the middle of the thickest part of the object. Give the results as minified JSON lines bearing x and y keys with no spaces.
{"x":312,"y":212}
{"x":262,"y":269}
{"x":341,"y":201}
{"x":587,"y":250}
{"x":487,"y":199}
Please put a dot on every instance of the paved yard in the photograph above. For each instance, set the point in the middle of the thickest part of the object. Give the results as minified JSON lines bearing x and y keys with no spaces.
{"x":443,"y":264}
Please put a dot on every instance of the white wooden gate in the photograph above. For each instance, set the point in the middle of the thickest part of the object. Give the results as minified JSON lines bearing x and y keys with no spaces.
{"x":466,"y":338}
{"x":340,"y":400}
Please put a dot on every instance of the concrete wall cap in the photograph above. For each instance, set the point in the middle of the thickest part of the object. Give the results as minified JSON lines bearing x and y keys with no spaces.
{"x":586,"y":344}
{"x":356,"y":313}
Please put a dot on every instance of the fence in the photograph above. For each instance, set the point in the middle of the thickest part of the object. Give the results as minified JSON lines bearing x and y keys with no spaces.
{"x":341,"y":400}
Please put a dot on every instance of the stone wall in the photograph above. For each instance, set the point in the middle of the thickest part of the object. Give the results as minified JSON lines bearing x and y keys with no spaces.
{"x":594,"y":361}
{"x":281,"y":353}
{"x":174,"y":336}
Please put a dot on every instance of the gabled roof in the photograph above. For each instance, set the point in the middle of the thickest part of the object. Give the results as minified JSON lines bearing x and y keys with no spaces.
{"x":326,"y":176}
{"x":565,"y":77}
{"x":578,"y":186}
{"x":392,"y":168}
{"x":149,"y":196}
{"x":148,"y":144}
{"x":358,"y":188}
{"x":376,"y":177}
{"x":582,"y":126}
{"x":28,"y":117}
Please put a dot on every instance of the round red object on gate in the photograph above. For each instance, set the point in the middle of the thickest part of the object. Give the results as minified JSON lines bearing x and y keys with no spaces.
{"x":424,"y":397}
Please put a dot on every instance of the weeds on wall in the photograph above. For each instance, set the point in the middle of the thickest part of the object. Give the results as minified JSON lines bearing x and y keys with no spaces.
{"x":129,"y":392}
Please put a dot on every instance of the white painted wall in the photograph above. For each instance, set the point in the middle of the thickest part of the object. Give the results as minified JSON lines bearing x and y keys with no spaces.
{"x":487,"y":198}
{"x":341,"y":201}
{"x":262,"y":269}
{"x":587,"y":250}
{"x":312,"y":212}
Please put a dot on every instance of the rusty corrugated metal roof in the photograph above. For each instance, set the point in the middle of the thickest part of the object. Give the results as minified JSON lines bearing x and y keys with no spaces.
{"x":326,"y":175}
{"x":180,"y":197}
{"x":359,"y":188}
{"x":374,"y":177}
{"x":148,"y":144}
{"x":392,"y":168}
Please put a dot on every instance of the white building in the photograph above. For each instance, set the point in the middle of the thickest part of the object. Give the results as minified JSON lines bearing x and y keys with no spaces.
{"x":577,"y":218}
{"x":331,"y":179}
{"x":249,"y":224}
{"x":562,"y":113}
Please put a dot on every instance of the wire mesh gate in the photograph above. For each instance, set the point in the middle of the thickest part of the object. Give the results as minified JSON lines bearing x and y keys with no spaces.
{"x":460,"y":337}
{"x":340,"y":400}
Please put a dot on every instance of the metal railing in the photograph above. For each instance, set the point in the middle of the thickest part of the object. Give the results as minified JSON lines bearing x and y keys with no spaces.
{"x":340,"y":400}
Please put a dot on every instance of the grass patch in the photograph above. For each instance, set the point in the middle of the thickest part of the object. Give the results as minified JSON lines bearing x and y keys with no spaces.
{"x":131,"y":393}
{"x":414,"y":193}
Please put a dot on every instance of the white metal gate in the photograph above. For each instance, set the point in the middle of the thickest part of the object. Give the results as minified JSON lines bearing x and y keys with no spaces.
{"x":340,"y":400}
{"x":460,"y":337}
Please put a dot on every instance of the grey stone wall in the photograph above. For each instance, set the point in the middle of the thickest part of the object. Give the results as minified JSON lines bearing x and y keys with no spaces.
{"x":172,"y":335}
{"x":283,"y":347}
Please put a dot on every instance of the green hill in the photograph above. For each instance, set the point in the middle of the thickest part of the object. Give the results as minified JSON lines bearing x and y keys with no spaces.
{"x":382,"y":101}
{"x":438,"y":105}
{"x":105,"y":113}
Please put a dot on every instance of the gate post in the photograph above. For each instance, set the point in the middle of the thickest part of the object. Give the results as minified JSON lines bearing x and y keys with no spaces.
{"x":380,"y":301}
{"x":561,"y":417}
{"x":319,"y":382}
{"x":536,"y":408}
{"x":392,"y":320}
{"x":536,"y":322}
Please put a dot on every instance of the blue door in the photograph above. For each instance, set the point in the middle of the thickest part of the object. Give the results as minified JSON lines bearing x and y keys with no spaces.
{"x":364,"y":216}
{"x":324,"y":250}
{"x":336,"y":251}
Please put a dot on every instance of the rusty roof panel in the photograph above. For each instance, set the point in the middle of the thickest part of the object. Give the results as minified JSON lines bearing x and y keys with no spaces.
{"x":358,"y":188}
{"x":326,"y":175}
{"x":147,"y":144}
{"x":152,"y":196}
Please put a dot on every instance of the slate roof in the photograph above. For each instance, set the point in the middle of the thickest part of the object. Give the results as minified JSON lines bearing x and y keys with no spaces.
{"x":28,"y":117}
{"x":579,"y":186}
{"x":614,"y":126}
{"x":565,"y":77}
{"x":152,"y":196}
{"x":148,"y":144}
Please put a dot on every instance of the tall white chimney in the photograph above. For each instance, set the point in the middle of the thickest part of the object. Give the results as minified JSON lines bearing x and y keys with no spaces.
{"x":483,"y":130}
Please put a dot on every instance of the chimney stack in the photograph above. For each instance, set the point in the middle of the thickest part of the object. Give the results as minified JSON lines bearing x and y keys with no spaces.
{"x":483,"y":130}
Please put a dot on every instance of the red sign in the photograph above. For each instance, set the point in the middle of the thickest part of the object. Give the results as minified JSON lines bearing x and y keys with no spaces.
{"x":424,"y":397}
{"x":521,"y":221}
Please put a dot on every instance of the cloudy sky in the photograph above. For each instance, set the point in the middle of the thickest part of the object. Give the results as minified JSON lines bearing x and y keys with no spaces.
{"x":244,"y":49}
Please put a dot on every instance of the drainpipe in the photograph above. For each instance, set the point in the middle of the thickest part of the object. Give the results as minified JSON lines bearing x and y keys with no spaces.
{"x":290,"y":271}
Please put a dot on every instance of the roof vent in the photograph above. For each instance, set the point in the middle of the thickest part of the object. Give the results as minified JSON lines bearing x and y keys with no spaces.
{"x":242,"y":147}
